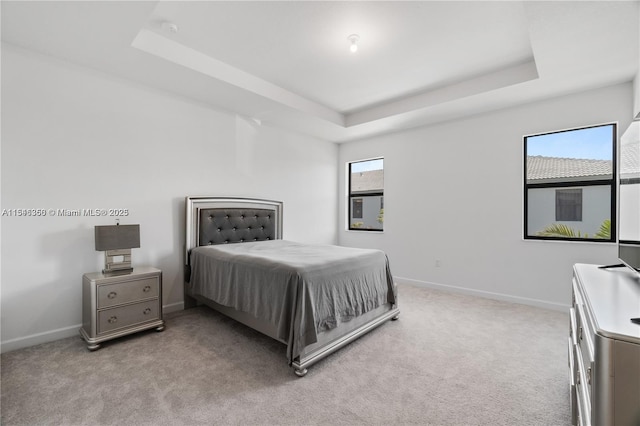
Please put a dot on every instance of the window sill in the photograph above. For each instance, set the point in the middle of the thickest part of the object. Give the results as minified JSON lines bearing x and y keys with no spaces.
{"x":539,"y":240}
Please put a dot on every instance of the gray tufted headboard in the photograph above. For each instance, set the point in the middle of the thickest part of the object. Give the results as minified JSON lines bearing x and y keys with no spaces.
{"x":235,"y":225}
{"x":218,"y":220}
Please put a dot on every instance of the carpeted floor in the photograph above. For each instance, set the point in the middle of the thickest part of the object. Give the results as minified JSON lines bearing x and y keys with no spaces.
{"x":450,"y":359}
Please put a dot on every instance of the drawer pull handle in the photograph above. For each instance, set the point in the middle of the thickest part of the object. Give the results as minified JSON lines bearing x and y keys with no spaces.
{"x":578,"y":376}
{"x":112,"y":295}
{"x":589,"y":375}
{"x":113,"y":320}
{"x":147,"y":311}
{"x":580,"y":332}
{"x":147,"y":288}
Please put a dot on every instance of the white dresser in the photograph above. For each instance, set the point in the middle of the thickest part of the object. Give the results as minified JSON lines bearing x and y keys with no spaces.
{"x":604,"y":346}
{"x":117,"y":305}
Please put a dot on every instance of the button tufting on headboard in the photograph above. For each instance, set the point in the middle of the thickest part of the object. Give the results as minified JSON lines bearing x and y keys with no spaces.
{"x":235,"y":225}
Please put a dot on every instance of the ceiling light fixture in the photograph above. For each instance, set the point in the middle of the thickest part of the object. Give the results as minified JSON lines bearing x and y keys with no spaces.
{"x":353,"y":38}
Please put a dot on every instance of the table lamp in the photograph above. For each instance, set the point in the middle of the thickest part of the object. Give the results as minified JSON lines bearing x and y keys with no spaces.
{"x":117,"y":241}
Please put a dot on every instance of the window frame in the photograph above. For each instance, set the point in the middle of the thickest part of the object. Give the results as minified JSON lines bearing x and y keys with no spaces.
{"x":612,"y":183}
{"x":351,"y":197}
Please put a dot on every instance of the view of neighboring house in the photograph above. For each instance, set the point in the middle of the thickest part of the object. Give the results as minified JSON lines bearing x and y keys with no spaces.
{"x":367,"y":200}
{"x":583,"y":208}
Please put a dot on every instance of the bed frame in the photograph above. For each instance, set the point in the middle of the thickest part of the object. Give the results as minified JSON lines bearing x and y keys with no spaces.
{"x":217,"y":220}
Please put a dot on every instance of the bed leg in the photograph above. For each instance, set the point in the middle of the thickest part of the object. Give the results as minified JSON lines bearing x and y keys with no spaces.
{"x":300,"y":372}
{"x":395,"y":318}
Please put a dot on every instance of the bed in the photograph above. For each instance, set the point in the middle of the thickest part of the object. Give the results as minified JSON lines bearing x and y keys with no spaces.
{"x":315,"y":299}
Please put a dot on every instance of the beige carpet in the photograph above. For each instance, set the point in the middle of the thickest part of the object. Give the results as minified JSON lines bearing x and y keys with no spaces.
{"x":450,"y":360}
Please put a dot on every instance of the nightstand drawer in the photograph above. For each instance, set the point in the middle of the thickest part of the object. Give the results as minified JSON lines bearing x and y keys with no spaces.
{"x":124,"y":316}
{"x":129,"y":291}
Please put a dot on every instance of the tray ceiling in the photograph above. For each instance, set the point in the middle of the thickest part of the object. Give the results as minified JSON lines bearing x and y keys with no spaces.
{"x":288,"y":64}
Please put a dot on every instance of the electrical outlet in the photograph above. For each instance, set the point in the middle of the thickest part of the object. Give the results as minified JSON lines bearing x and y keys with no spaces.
{"x":438,"y":263}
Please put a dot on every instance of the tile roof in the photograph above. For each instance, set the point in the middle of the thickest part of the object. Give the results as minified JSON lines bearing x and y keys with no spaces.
{"x":555,"y":168}
{"x":630,"y":159}
{"x":368,"y":181}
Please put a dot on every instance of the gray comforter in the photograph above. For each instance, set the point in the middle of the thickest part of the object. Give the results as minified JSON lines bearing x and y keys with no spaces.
{"x":301,"y":289}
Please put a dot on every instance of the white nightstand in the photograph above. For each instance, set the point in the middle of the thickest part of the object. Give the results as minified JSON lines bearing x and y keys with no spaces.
{"x":117,"y":305}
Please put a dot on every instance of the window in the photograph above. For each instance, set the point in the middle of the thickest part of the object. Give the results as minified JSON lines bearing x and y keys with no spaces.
{"x":357,"y":208}
{"x":569,"y":205}
{"x":366,"y":195}
{"x":569,"y":184}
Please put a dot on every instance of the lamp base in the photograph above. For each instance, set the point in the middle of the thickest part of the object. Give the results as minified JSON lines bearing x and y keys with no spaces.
{"x":117,"y":262}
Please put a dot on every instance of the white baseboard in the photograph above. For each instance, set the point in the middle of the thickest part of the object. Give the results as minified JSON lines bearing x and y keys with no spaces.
{"x":487,"y":294}
{"x":38,"y":338}
{"x":174,"y":307}
{"x":62,"y":333}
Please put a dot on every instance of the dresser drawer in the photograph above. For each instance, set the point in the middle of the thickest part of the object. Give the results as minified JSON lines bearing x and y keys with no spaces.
{"x":573,"y":401}
{"x":128,"y":315}
{"x":585,"y":350}
{"x":583,"y":400}
{"x":573,"y":326}
{"x":129,"y":291}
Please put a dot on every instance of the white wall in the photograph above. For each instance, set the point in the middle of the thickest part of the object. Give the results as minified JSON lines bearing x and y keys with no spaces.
{"x":73,"y":138}
{"x":453,"y":193}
